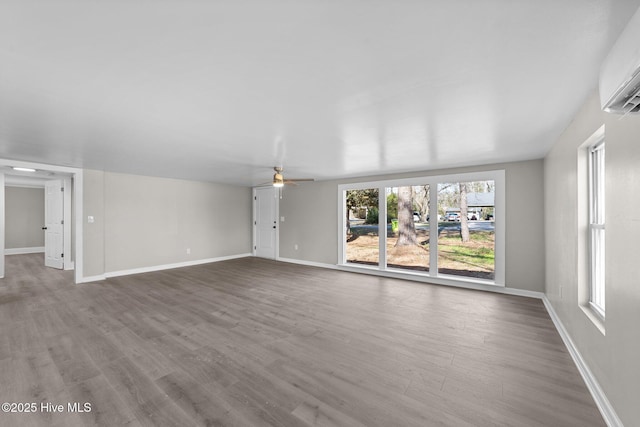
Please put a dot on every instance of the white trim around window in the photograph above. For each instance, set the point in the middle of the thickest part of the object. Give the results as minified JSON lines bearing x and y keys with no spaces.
{"x":597,"y":228}
{"x":498,"y":176}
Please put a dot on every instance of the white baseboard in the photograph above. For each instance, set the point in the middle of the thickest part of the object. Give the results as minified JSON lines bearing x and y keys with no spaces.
{"x":162,"y":267}
{"x":20,"y":251}
{"x":519,"y":292}
{"x":89,"y":279}
{"x":603,"y":404}
{"x":308,"y":263}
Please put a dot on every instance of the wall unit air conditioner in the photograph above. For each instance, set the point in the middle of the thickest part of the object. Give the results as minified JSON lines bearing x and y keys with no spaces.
{"x":620,"y":72}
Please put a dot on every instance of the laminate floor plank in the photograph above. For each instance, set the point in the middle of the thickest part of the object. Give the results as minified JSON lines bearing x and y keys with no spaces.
{"x":203,"y":406}
{"x":73,"y":363}
{"x":24,"y":337}
{"x":254,"y":342}
{"x":149,"y":359}
{"x":107,"y":407}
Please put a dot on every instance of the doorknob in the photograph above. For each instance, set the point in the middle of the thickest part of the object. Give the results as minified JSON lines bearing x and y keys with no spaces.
{"x":44,"y":228}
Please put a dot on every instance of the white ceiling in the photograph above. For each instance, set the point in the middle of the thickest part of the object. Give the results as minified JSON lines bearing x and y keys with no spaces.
{"x":222,"y":91}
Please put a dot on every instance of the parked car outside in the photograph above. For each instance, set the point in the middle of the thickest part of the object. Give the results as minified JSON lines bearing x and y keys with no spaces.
{"x":452,"y":216}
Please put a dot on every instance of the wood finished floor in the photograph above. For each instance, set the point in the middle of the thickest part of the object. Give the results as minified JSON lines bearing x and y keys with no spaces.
{"x":255,"y":342}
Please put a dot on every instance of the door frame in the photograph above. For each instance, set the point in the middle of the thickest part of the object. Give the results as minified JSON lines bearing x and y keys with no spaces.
{"x":75,"y":262}
{"x":254,"y":221}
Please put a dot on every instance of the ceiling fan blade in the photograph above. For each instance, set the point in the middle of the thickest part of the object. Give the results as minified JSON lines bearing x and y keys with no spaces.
{"x":278,"y":178}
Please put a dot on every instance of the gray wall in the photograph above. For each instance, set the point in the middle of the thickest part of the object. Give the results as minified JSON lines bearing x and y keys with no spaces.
{"x":24,"y":217}
{"x":145,"y":221}
{"x":613,"y":357}
{"x":93,"y":234}
{"x":311,"y":220}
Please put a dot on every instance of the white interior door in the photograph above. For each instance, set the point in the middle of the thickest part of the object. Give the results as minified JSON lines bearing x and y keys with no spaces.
{"x":266,"y":222}
{"x":54,"y":224}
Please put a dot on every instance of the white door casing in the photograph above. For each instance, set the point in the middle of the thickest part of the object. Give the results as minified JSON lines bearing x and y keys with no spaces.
{"x":54,"y":227}
{"x":2,"y":226}
{"x":265,"y":226}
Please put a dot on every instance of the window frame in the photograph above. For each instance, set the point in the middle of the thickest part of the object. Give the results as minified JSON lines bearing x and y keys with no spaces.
{"x":432,"y":276}
{"x":596,"y":227}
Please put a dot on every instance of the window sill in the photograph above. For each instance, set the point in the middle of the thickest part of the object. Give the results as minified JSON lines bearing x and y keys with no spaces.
{"x":595,"y":317}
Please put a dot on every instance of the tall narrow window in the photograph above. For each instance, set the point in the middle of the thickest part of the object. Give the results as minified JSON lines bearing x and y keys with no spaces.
{"x":597,"y":228}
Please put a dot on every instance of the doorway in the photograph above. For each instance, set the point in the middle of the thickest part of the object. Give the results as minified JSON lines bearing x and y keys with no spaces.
{"x":38,"y":217}
{"x":265,"y":222}
{"x":63,"y":248}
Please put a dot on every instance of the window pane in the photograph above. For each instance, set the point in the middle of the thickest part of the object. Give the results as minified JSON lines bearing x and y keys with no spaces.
{"x":466,"y":232}
{"x":597,"y":270}
{"x":408,"y":227}
{"x":596,"y":184}
{"x":362,"y":238}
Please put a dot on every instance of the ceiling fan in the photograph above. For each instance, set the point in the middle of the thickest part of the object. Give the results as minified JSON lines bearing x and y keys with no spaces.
{"x":279,"y":180}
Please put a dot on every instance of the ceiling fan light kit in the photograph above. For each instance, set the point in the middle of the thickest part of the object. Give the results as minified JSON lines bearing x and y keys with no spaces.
{"x":279,"y":181}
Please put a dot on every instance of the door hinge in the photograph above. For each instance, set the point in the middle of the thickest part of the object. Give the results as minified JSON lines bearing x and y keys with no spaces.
{"x":255,"y":247}
{"x":61,"y":188}
{"x":255,"y":222}
{"x":62,"y":222}
{"x":255,"y":198}
{"x":61,"y":255}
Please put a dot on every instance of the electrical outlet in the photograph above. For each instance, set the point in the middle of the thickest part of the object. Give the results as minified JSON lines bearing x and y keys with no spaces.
{"x":295,"y":247}
{"x":188,"y":251}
